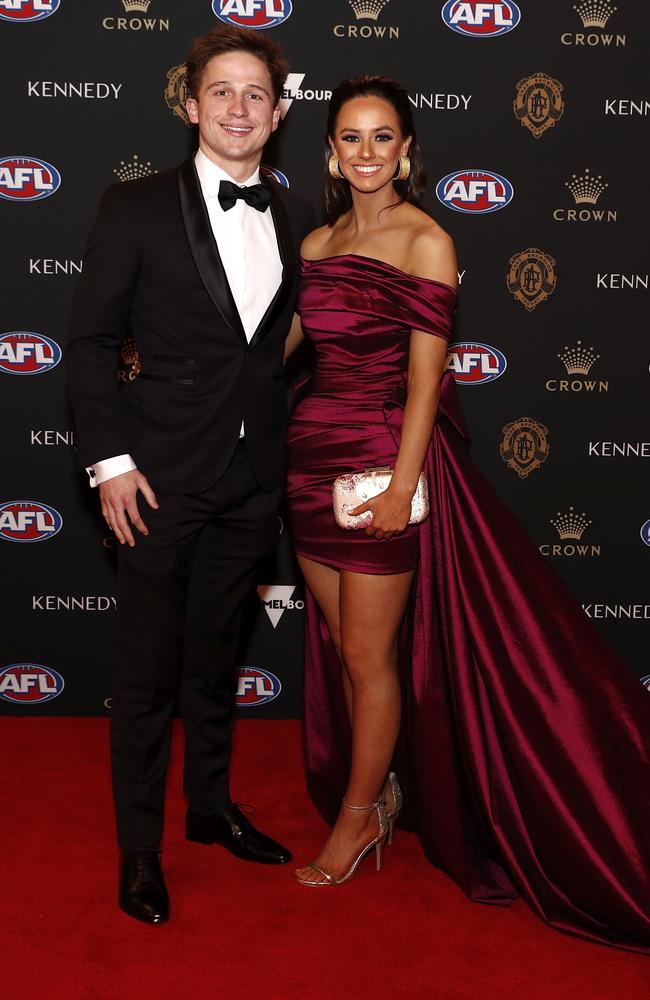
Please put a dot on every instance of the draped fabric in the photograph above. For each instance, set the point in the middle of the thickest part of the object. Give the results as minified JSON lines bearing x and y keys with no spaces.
{"x":524,"y":745}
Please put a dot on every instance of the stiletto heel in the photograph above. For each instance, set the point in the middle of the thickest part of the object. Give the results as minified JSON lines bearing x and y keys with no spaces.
{"x":392,"y":814}
{"x":377,"y":842}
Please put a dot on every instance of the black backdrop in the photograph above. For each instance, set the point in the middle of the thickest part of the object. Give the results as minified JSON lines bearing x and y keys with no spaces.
{"x":535,"y":115}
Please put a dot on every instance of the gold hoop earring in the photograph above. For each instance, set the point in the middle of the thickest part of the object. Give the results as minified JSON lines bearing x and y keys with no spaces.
{"x":334,"y":168}
{"x":403,"y":169}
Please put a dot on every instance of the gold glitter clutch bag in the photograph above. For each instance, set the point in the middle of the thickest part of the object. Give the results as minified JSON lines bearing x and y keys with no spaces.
{"x":355,"y":488}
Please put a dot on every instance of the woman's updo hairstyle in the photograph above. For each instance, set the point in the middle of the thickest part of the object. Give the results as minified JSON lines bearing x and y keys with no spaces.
{"x":338,"y":198}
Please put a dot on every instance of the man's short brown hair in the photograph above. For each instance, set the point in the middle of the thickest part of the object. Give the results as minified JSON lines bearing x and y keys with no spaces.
{"x":226,"y":38}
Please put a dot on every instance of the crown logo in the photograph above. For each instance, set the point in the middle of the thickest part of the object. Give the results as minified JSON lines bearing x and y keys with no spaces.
{"x":570,"y":525}
{"x":594,"y":13}
{"x":586,"y":189}
{"x":134,"y":169}
{"x":140,"y":5}
{"x":578,"y":360}
{"x":370,"y":9}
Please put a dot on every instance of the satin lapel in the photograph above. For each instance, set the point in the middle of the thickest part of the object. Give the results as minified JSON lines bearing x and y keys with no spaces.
{"x":287,"y":250}
{"x":204,"y":247}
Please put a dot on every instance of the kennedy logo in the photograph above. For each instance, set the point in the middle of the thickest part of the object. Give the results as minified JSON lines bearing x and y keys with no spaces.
{"x":531,"y":278}
{"x":474,"y":192}
{"x":586,"y":190}
{"x":481,"y":20}
{"x":645,"y":533}
{"x":538,"y":104}
{"x":176,"y":92}
{"x":24,"y":353}
{"x":253,"y":13}
{"x":524,"y":446}
{"x":578,"y":362}
{"x":474,"y":364}
{"x":366,"y":10}
{"x":570,"y":527}
{"x":25,"y":178}
{"x":28,"y":521}
{"x":277,"y":600}
{"x":134,"y":169}
{"x":594,"y":14}
{"x":30,"y":683}
{"x":27,"y":10}
{"x":256,"y":687}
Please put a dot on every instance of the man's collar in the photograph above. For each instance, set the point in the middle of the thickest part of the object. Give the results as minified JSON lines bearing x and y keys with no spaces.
{"x":211,"y":175}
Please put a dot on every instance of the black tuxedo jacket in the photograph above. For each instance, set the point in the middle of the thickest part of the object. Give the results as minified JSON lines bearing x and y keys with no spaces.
{"x":152,"y":270}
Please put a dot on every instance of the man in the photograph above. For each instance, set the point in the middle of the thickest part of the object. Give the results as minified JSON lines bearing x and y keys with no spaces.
{"x":198,"y":265}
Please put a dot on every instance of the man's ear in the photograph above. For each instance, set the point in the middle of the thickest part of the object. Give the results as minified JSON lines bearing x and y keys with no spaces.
{"x":192,"y":108}
{"x":276,"y":118}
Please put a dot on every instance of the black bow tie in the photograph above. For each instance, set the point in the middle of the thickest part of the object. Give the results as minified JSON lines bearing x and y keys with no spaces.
{"x":257,"y":195}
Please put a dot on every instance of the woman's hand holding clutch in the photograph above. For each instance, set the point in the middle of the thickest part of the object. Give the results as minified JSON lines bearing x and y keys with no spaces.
{"x":390,"y":510}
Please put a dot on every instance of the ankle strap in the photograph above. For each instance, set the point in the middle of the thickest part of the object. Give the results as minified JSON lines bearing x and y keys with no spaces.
{"x":362,"y":808}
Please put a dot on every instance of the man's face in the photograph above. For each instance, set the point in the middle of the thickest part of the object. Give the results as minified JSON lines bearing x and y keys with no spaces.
{"x":235,"y":112}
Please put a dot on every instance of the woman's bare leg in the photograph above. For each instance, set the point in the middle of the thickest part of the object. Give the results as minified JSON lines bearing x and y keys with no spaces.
{"x":371,"y":609}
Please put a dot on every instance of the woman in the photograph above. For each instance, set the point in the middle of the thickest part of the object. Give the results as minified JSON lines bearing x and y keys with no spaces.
{"x":522,"y":752}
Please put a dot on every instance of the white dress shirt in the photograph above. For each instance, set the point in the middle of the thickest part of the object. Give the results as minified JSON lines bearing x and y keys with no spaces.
{"x":248,"y":248}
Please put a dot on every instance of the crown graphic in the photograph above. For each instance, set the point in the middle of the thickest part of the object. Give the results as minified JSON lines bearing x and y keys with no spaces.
{"x":586,"y":189}
{"x":578,"y":360}
{"x":134,"y":169}
{"x":370,"y":9}
{"x":571,"y":525}
{"x":141,"y":5}
{"x":594,"y":13}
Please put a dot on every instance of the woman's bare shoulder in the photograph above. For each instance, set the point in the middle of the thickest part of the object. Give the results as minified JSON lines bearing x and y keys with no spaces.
{"x":431,"y":252}
{"x":315,"y":243}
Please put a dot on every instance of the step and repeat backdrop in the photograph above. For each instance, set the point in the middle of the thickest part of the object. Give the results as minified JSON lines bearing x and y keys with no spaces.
{"x":531,"y":117}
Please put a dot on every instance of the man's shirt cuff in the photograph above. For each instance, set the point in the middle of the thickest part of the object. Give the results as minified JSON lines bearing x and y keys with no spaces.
{"x":109,"y":468}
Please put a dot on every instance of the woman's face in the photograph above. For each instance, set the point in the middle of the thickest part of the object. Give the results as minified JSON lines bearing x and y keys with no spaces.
{"x":368,"y":141}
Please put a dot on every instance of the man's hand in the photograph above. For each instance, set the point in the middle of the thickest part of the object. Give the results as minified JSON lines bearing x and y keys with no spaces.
{"x":119,"y":497}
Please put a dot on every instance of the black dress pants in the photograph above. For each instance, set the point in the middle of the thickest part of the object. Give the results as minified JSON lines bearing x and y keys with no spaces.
{"x":181,"y":591}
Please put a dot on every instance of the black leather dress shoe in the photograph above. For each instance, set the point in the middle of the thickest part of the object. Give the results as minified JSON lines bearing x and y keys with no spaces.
{"x":143,"y":893}
{"x":232,"y":830}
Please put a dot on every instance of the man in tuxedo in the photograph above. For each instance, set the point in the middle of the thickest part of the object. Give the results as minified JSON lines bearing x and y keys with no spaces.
{"x":199,"y":265}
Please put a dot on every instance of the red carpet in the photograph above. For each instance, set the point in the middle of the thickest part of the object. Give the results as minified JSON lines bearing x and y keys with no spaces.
{"x":245,"y":931}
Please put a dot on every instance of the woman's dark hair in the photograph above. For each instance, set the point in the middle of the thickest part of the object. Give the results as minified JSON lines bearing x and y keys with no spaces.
{"x":228,"y":38}
{"x":338,"y":198}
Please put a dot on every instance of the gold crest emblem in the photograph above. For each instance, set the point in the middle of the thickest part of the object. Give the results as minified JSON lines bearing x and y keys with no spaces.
{"x":176,"y":92}
{"x":531,"y":277}
{"x":538,"y":104}
{"x":129,"y":356}
{"x":524,"y":446}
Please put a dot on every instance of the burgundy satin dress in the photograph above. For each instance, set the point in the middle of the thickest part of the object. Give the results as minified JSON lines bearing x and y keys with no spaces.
{"x":523,"y":753}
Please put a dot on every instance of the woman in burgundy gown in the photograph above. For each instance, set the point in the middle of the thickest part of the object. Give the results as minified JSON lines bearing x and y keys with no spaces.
{"x":523,"y":740}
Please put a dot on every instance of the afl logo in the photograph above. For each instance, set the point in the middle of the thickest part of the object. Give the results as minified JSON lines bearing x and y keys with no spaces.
{"x":24,"y":353}
{"x":24,"y":178}
{"x":27,"y":10}
{"x":275,"y":174}
{"x":473,"y":364}
{"x":30,"y":683}
{"x":256,"y":687}
{"x":481,"y":20}
{"x":475,"y":192}
{"x":645,"y":533}
{"x":28,"y":521}
{"x":646,"y":682}
{"x":253,"y":13}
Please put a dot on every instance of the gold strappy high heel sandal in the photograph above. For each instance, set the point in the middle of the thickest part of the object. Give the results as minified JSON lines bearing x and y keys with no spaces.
{"x":377,"y":843}
{"x":392,"y":814}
